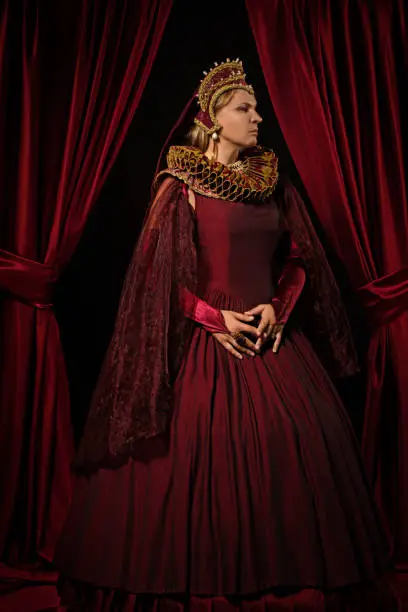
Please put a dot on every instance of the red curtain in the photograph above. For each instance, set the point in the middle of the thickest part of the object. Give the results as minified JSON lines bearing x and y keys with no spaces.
{"x":336,"y":73}
{"x":71,"y":77}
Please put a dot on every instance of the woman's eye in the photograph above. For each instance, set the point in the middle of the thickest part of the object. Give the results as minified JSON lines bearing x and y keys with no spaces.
{"x":243,"y":108}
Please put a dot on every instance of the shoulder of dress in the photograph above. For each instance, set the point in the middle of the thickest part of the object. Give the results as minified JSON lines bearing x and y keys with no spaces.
{"x":165,"y":179}
{"x":169,"y":177}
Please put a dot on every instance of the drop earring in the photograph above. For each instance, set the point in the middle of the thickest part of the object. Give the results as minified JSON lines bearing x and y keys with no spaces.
{"x":215,"y":138}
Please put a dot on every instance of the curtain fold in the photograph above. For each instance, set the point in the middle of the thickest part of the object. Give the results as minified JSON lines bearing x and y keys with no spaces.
{"x":335,"y":72}
{"x":71,"y":78}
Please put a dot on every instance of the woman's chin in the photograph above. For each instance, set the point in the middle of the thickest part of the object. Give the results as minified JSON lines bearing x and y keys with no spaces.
{"x":250,"y":142}
{"x":253,"y":141}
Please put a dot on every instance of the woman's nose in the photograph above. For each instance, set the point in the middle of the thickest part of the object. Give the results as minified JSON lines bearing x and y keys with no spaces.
{"x":257,"y":118}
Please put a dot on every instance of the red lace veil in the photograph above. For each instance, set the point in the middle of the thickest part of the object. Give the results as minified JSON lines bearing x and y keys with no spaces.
{"x":132,"y":401}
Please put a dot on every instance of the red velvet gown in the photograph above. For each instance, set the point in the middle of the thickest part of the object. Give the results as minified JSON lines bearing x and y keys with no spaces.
{"x":261,"y":500}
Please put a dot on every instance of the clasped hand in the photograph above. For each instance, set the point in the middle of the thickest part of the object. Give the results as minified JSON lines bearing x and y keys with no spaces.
{"x":245,"y":339}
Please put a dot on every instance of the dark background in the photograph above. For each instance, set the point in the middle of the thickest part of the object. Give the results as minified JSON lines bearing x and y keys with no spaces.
{"x":197,"y":34}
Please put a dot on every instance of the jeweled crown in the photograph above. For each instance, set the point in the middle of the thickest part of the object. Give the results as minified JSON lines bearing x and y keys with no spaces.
{"x":219,"y":79}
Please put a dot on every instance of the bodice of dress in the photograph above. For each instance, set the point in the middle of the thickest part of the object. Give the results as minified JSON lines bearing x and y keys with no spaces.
{"x":236,"y":244}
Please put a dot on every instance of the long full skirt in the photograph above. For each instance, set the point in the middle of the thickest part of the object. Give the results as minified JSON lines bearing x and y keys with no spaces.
{"x":259,"y":501}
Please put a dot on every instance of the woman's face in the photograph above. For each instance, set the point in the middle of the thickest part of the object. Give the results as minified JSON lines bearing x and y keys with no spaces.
{"x":239,"y":120}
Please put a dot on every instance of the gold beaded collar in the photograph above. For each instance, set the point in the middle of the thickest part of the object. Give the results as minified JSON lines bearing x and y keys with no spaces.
{"x":254,"y":177}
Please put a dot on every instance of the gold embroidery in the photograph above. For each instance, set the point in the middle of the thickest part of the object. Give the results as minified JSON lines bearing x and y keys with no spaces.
{"x":253,"y":177}
{"x":236,"y":72}
{"x":204,"y":127}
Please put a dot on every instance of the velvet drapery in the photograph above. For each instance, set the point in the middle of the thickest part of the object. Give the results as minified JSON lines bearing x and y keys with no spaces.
{"x":71,"y":78}
{"x":336,"y":74}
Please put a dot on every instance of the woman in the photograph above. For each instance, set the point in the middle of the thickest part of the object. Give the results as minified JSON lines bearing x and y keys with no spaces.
{"x":222,"y":469}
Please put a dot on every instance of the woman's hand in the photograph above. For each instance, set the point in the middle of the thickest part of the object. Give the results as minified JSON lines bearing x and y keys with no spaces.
{"x":267,"y":329}
{"x":236,"y":342}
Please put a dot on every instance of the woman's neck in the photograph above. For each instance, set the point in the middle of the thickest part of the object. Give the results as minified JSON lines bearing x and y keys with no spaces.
{"x":227,"y":153}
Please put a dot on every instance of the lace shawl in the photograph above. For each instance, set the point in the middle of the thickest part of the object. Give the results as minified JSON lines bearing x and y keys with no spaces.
{"x":133,"y":397}
{"x":324,"y":318}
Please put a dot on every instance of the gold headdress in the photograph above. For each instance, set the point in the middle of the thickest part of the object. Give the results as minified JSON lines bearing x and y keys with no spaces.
{"x":221,"y":78}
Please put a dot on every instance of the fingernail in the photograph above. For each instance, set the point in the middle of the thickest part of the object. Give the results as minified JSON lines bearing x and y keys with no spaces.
{"x":253,"y":354}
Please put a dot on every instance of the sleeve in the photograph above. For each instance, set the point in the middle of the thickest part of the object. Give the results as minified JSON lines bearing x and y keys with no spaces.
{"x":201,"y":312}
{"x":290,"y":285}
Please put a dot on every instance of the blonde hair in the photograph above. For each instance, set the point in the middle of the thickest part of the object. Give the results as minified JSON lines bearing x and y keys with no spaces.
{"x":197,"y":136}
